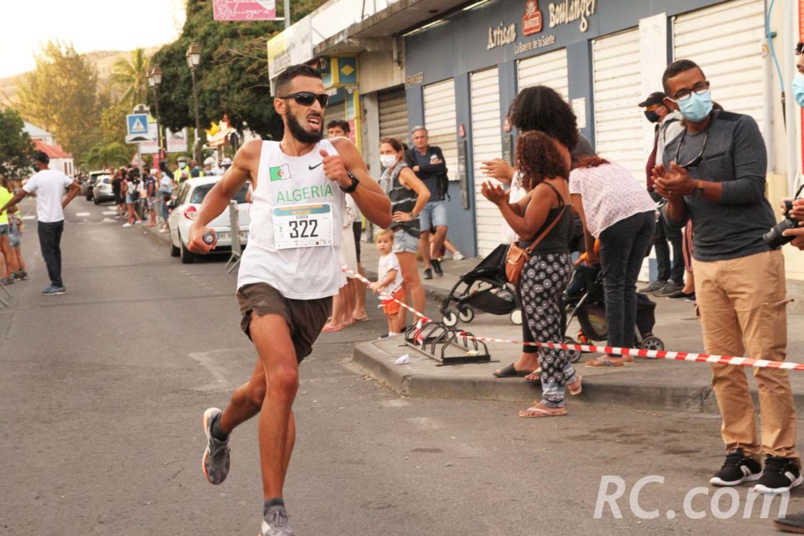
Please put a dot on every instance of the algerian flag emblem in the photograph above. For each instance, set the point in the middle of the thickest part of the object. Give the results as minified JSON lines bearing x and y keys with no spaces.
{"x":279,"y":173}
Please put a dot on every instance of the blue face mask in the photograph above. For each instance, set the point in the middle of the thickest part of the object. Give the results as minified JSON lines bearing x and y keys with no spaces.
{"x":696,"y":107}
{"x":798,"y":89}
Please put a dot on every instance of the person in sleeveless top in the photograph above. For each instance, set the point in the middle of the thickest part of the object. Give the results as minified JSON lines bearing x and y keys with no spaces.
{"x":409,"y":195}
{"x":289,"y":272}
{"x":544,"y":171}
{"x":538,"y":108}
{"x":621,"y":213}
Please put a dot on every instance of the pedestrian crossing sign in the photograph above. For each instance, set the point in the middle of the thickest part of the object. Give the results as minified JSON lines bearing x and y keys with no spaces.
{"x":137,"y":124}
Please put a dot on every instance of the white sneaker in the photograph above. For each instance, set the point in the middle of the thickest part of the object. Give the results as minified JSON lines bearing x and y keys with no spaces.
{"x":457,"y":256}
{"x":137,"y":222}
{"x":126,"y":224}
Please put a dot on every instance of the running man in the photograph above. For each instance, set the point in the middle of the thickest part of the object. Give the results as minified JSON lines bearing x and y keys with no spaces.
{"x":289,"y":272}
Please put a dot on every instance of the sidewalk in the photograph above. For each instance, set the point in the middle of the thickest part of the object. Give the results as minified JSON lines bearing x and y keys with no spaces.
{"x":654,"y":384}
{"x":650,"y":384}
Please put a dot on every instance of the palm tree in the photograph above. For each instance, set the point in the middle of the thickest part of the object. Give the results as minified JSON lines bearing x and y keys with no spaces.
{"x":131,"y":77}
{"x":108,"y":155}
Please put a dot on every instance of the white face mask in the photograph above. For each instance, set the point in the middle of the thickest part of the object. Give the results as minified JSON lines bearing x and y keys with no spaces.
{"x":387,"y":160}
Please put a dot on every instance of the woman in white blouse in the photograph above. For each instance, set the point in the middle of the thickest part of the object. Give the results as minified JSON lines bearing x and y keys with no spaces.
{"x":619,"y":211}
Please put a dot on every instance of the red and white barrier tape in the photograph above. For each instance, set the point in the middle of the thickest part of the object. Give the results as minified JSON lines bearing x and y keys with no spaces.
{"x":384,"y":296}
{"x":650,"y":354}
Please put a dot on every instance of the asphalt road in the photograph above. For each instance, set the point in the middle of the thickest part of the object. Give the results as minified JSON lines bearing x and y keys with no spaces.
{"x":103,"y":390}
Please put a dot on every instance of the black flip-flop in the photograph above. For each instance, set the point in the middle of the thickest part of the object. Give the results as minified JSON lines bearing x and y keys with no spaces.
{"x":511,"y":372}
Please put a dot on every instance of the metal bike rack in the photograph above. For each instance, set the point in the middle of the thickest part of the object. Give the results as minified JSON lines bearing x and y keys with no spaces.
{"x":446,"y":345}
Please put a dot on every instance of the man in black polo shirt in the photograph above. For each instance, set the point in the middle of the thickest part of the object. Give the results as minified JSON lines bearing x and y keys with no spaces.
{"x":714,"y":175}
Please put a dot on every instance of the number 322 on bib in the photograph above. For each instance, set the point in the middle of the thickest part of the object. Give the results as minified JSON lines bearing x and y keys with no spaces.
{"x":303,"y":226}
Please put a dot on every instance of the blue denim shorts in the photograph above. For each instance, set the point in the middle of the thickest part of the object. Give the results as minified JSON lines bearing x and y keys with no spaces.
{"x":14,"y":240}
{"x":433,"y":215}
{"x":4,"y":229}
{"x":404,"y":242}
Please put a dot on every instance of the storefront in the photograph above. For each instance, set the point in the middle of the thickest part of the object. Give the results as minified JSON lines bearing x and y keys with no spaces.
{"x":463,"y":71}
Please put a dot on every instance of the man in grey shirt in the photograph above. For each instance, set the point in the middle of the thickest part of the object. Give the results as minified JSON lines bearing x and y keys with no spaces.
{"x":714,"y":175}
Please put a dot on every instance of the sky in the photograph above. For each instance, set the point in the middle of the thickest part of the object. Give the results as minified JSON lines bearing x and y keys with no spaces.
{"x":89,"y":25}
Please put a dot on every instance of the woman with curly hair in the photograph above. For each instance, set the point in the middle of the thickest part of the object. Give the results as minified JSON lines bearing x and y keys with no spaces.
{"x":537,"y":108}
{"x":543,"y":173}
{"x":620,"y":212}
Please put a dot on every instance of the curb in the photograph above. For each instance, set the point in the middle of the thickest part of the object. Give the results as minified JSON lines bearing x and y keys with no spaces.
{"x":610,"y":390}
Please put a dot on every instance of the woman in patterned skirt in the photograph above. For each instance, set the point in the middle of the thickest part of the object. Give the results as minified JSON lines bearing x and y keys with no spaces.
{"x":544,"y":173}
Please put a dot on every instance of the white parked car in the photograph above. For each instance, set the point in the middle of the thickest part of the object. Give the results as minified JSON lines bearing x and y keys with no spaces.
{"x":103,"y":189}
{"x":189,"y":197}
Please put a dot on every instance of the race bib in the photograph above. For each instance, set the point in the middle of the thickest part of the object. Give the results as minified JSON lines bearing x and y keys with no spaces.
{"x":303,"y":226}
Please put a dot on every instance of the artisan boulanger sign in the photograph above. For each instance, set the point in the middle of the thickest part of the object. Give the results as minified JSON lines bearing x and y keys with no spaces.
{"x":571,"y":10}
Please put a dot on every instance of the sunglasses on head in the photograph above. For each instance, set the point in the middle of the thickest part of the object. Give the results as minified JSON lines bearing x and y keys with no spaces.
{"x":305,"y":98}
{"x":799,"y":48}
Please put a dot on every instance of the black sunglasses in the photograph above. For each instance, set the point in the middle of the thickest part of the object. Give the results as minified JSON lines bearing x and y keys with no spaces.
{"x":799,"y":48}
{"x":305,"y":98}
{"x":698,"y":159}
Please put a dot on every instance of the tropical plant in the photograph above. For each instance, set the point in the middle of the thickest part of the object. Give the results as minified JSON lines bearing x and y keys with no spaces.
{"x":131,"y":77}
{"x":108,"y":155}
{"x":16,"y":146}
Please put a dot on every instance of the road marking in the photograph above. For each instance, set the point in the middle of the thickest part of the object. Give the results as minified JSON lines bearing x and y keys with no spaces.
{"x":108,"y":220}
{"x":108,"y":212}
{"x":81,"y":214}
{"x":28,"y":217}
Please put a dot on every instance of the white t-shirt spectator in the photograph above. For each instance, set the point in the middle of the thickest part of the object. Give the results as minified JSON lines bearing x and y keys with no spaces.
{"x":387,"y":263}
{"x":48,"y":185}
{"x":609,"y":193}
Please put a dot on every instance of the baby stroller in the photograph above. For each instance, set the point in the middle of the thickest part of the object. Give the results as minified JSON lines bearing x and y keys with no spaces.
{"x":584,"y":299}
{"x":484,"y":288}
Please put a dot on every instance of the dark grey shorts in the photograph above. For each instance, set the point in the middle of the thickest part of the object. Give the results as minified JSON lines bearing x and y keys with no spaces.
{"x":305,"y":318}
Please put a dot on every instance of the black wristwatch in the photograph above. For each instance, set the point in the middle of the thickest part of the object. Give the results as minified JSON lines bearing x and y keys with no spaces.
{"x":698,"y":192}
{"x":352,"y":187}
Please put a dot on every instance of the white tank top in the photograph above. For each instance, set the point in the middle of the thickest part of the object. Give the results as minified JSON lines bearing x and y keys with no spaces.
{"x":299,"y":273}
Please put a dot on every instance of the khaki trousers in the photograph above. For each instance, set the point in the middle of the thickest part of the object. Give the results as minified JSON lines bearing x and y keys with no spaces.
{"x":743,"y":309}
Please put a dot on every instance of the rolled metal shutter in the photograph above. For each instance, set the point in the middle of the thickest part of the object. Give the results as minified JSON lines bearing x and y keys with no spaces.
{"x":726,"y":41}
{"x":617,"y":84}
{"x":486,"y":145}
{"x":439,"y":113}
{"x":545,"y":70}
{"x":334,"y":111}
{"x":393,"y":113}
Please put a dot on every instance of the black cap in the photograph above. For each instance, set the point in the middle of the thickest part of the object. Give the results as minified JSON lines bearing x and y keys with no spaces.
{"x":653,"y":99}
{"x":41,"y":156}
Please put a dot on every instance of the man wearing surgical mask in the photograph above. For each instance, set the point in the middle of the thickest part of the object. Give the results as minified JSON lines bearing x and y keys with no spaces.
{"x":798,"y":79}
{"x":713,"y":175}
{"x":670,"y":276}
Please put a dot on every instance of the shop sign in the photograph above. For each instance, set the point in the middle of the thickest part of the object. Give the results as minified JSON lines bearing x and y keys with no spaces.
{"x":414,"y":79}
{"x":501,"y":35}
{"x":568,"y":11}
{"x":532,"y":21}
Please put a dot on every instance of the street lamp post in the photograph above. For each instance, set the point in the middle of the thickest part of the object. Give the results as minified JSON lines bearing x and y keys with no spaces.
{"x":154,"y":80}
{"x":193,"y":60}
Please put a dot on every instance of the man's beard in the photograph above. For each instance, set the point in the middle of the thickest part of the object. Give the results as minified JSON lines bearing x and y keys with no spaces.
{"x":298,"y":131}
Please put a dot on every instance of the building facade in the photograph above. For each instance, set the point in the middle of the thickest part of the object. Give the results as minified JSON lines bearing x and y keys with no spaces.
{"x":463,"y":63}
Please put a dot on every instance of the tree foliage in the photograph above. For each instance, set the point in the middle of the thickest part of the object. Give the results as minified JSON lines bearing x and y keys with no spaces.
{"x":16,"y":147}
{"x":113,"y":123}
{"x":60,"y":95}
{"x":108,"y":155}
{"x":232,"y":77}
